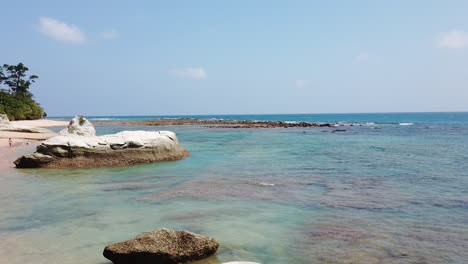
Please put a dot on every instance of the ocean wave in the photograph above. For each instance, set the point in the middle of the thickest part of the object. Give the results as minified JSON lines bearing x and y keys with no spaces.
{"x":266,"y":184}
{"x":102,"y":119}
{"x":406,"y":124}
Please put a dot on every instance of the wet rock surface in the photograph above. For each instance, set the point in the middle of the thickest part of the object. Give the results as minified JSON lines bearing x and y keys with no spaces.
{"x":162,"y":246}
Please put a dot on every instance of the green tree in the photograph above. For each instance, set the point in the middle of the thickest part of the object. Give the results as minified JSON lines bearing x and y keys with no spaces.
{"x":17,"y":80}
{"x":17,"y":101}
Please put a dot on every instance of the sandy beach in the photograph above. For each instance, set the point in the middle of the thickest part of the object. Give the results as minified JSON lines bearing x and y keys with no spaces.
{"x":20,"y":139}
{"x":41,"y":123}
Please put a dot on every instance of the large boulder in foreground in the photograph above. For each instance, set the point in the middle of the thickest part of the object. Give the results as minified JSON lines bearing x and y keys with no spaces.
{"x":73,"y":150}
{"x":162,"y":246}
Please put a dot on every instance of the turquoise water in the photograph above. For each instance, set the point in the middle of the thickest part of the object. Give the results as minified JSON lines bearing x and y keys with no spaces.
{"x":380,"y":118}
{"x":377,"y":193}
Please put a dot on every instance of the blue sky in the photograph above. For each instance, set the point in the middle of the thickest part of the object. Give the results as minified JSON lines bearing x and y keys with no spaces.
{"x":106,"y":57}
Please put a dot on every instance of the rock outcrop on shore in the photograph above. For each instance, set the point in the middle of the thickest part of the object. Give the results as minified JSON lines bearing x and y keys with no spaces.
{"x":4,"y":121}
{"x":162,"y":246}
{"x":78,"y":147}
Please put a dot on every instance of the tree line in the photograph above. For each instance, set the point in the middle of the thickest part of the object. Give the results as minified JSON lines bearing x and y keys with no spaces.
{"x":16,"y":100}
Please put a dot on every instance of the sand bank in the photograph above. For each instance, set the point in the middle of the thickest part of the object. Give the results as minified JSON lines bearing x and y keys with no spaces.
{"x":41,"y":123}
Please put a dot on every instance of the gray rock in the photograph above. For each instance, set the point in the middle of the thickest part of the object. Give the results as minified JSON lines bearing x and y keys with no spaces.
{"x":4,"y":121}
{"x":162,"y":246}
{"x":79,"y":126}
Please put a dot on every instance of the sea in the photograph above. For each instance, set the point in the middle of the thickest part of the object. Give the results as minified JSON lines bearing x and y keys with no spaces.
{"x":390,"y":188}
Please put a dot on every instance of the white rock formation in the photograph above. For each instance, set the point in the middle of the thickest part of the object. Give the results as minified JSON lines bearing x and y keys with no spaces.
{"x":79,"y":126}
{"x":78,"y":147}
{"x":121,"y":140}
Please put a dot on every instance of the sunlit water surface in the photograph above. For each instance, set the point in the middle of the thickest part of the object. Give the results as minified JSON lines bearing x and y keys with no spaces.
{"x":373,"y":194}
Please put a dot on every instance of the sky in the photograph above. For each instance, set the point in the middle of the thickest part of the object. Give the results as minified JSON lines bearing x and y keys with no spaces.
{"x":109,"y":57}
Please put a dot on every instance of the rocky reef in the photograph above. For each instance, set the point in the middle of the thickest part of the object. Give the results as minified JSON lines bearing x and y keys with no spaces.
{"x":77,"y":146}
{"x":162,"y":246}
{"x":216,"y":123}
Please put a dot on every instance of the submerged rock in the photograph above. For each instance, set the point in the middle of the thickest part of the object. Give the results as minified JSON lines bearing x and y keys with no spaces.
{"x":78,"y":148}
{"x":162,"y":246}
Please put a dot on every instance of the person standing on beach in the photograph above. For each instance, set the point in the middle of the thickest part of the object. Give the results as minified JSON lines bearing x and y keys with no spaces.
{"x":10,"y":141}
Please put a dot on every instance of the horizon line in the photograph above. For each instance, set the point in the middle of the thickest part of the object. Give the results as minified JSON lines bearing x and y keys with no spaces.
{"x":337,"y":113}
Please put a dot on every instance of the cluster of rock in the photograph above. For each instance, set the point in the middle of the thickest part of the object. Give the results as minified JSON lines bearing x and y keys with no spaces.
{"x":77,"y":146}
{"x":217,"y":123}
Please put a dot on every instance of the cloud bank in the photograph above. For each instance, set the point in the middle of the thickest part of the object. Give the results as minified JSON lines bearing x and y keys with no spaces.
{"x":456,"y":39}
{"x":61,"y":31}
{"x":363,"y":57}
{"x":300,"y":83}
{"x":109,"y":35}
{"x":198,"y":73}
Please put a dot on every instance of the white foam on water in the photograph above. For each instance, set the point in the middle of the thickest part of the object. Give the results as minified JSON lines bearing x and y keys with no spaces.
{"x":266,"y":184}
{"x":406,"y":124}
{"x":101,"y":119}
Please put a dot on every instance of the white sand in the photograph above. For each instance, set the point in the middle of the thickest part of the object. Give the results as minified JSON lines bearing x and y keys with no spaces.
{"x":41,"y":123}
{"x":22,"y":139}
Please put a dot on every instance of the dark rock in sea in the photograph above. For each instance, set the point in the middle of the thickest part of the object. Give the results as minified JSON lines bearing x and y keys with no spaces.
{"x":162,"y":246}
{"x":338,"y":130}
{"x":78,"y":147}
{"x":217,"y":123}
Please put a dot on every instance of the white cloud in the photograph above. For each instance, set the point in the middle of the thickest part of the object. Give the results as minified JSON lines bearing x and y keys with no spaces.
{"x":61,"y":31}
{"x":109,"y":35}
{"x":363,"y":57}
{"x":198,"y":73}
{"x":300,"y":83}
{"x":456,"y":39}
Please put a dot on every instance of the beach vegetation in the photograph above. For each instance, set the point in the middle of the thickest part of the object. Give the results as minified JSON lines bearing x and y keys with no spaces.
{"x":16,"y":100}
{"x":81,"y":120}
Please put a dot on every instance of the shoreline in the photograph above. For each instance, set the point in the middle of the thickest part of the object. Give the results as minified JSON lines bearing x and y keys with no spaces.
{"x":9,"y":155}
{"x":41,"y":123}
{"x":23,"y":139}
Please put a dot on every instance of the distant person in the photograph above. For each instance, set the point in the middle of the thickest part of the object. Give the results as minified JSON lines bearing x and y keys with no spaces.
{"x":10,"y":141}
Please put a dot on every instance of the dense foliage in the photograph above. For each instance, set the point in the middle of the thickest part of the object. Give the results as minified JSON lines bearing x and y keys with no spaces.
{"x":15,"y":98}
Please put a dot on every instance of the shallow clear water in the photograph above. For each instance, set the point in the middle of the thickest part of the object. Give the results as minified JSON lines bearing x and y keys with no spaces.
{"x":373,"y":194}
